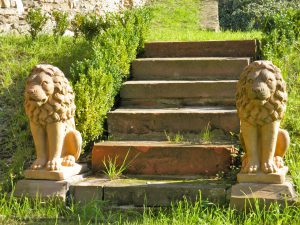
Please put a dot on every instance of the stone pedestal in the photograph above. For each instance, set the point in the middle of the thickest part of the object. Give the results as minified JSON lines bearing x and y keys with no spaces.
{"x":266,"y":178}
{"x":246,"y":194}
{"x":63,"y":174}
{"x":34,"y":187}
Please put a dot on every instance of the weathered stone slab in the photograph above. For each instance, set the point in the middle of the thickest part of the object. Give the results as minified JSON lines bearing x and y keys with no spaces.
{"x":246,"y":194}
{"x":205,"y":68}
{"x":88,"y":190}
{"x":46,"y":188}
{"x":163,"y":158}
{"x":176,"y":93}
{"x":139,"y":192}
{"x":260,"y":177}
{"x":65,"y":173}
{"x":184,"y":120}
{"x":239,"y":48}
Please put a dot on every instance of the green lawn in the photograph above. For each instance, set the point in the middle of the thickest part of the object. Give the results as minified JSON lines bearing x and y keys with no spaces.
{"x":174,"y":20}
{"x":178,"y":20}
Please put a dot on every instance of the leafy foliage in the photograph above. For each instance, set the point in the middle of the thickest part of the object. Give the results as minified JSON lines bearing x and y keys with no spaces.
{"x":36,"y":20}
{"x":250,"y":14}
{"x":61,"y":23}
{"x":97,"y":79}
{"x":96,"y":68}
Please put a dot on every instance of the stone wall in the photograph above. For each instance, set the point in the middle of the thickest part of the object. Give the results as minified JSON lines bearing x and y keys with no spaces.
{"x":13,"y":12}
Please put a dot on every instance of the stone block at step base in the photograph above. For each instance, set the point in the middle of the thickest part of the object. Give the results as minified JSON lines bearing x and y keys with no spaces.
{"x":46,"y":188}
{"x":163,"y":158}
{"x":149,"y":192}
{"x":64,"y":173}
{"x":246,"y":195}
{"x":260,"y":177}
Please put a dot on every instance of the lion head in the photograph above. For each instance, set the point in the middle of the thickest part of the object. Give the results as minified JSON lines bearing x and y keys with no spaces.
{"x":49,"y":97}
{"x":261,"y":94}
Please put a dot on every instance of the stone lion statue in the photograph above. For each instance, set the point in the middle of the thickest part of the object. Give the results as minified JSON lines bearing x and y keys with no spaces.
{"x":261,"y":102}
{"x":49,"y":104}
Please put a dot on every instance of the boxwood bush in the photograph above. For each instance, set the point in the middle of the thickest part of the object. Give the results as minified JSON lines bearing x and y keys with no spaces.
{"x":95,"y":64}
{"x":250,"y":14}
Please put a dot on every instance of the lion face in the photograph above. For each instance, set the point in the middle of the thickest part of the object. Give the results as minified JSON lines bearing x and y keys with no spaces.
{"x":260,"y":84}
{"x":261,"y":95}
{"x":39,"y":87}
{"x":49,"y":97}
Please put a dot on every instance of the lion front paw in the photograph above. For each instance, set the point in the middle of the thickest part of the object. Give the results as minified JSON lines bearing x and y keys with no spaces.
{"x":68,"y":160}
{"x":278,"y":161}
{"x":38,"y":164}
{"x":269,"y":167}
{"x":250,"y":168}
{"x":54,"y":164}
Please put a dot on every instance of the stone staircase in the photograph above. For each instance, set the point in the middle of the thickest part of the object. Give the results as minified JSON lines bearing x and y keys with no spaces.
{"x":178,"y":88}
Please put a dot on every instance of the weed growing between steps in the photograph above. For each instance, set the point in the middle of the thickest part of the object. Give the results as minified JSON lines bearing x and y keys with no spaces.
{"x":96,"y":68}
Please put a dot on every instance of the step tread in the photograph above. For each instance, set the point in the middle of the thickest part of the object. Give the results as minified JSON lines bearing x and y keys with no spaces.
{"x":160,"y":144}
{"x":200,"y":109}
{"x":191,"y":59}
{"x":151,"y":82}
{"x":223,"y":48}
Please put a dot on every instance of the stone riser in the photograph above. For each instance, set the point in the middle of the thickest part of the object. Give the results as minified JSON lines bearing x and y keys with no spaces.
{"x":162,"y":158}
{"x":187,"y":120}
{"x":245,"y":48}
{"x":178,"y":93}
{"x":176,"y":102}
{"x":188,"y":68}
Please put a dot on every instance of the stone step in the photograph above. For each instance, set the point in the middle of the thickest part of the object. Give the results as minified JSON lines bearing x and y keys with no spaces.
{"x":149,"y":192}
{"x":177,"y":93}
{"x":244,"y":48}
{"x":203,"y":68}
{"x":150,"y":124}
{"x":165,"y":158}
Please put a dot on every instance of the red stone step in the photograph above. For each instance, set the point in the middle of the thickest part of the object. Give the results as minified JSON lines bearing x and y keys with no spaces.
{"x":164,"y":158}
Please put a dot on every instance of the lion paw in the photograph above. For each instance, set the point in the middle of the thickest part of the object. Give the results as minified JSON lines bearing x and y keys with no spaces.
{"x":54,"y":164}
{"x":38,"y":164}
{"x":251,"y":168}
{"x":269,"y":167}
{"x":278,"y":161}
{"x":68,"y":160}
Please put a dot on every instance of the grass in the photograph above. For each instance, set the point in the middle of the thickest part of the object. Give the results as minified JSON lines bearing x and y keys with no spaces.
{"x":18,"y":54}
{"x":112,"y":170}
{"x":53,"y":211}
{"x":178,"y":20}
{"x":174,"y":20}
{"x":177,"y":138}
{"x":206,"y":135}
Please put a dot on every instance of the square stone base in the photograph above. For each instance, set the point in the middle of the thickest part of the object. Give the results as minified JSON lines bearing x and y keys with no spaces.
{"x":65,"y":173}
{"x":48,"y":188}
{"x":246,"y":194}
{"x":260,"y":177}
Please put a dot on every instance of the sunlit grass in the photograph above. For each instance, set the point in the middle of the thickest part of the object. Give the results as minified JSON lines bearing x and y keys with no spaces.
{"x":179,"y":20}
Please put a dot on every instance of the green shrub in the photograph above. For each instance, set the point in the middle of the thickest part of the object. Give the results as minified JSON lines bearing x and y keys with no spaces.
{"x":61,"y":23}
{"x":97,"y":80}
{"x":96,"y":69}
{"x":36,"y":20}
{"x":250,"y":14}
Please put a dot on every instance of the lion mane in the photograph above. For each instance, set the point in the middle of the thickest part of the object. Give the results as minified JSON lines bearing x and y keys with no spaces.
{"x":59,"y":105}
{"x":260,"y":112}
